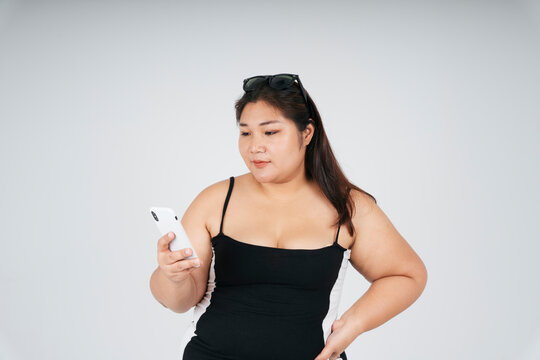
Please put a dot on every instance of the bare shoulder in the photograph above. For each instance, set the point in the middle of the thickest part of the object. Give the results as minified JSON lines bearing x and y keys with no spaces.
{"x":363,"y":204}
{"x":210,"y":198}
{"x":213,"y":192}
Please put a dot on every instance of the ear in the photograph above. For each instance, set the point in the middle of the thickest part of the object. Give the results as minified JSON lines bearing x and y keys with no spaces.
{"x":308,"y":132}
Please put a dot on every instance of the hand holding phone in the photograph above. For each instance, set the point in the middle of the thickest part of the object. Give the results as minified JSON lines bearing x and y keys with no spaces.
{"x":174,"y":254}
{"x":167,"y":221}
{"x":176,"y":265}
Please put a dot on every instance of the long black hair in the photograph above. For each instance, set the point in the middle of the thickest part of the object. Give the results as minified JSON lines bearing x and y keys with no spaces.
{"x":320,"y":163}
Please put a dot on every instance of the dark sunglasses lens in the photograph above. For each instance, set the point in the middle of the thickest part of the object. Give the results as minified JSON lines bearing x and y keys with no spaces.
{"x":281,"y":82}
{"x":250,"y":84}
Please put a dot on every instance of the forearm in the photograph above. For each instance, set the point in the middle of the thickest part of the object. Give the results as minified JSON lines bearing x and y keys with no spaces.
{"x":178,"y":297}
{"x":385,"y":298}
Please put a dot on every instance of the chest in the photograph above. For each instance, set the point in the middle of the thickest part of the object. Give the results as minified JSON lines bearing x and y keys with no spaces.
{"x":307,"y":224}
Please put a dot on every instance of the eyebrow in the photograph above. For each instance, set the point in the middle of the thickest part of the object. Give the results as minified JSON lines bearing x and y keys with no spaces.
{"x":263,"y":123}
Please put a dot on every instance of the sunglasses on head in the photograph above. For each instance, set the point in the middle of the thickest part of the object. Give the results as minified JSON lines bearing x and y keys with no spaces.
{"x":278,"y":82}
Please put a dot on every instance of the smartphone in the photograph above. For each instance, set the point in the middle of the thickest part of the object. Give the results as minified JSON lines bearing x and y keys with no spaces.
{"x":166,"y":221}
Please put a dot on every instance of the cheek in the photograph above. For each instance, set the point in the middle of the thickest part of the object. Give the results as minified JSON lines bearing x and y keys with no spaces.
{"x":242,"y":146}
{"x":244,"y":150}
{"x":289,"y":152}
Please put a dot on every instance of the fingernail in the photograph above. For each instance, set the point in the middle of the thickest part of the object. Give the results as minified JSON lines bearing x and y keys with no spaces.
{"x":188,"y":252}
{"x":197,"y":263}
{"x":171,"y":235}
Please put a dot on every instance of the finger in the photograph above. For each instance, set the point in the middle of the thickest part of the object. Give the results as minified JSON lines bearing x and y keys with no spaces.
{"x":171,"y":257}
{"x":326,"y":354}
{"x":174,"y":256}
{"x":165,"y":240}
{"x":183,"y":265}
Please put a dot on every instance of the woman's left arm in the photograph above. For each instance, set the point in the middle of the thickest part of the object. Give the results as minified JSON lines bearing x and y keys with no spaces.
{"x":396,"y":273}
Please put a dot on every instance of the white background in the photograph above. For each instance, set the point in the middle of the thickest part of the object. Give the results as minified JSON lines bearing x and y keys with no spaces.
{"x":109,"y":107}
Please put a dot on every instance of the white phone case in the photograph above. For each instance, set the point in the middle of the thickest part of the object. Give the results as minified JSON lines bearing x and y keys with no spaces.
{"x":166,"y":221}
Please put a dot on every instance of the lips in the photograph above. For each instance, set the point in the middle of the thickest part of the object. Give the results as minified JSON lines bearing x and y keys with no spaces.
{"x":260,"y":164}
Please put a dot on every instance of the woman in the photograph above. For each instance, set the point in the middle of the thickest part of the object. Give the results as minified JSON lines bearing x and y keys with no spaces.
{"x":269,"y":275}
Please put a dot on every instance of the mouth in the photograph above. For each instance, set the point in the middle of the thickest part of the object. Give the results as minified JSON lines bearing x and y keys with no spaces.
{"x":260,"y":164}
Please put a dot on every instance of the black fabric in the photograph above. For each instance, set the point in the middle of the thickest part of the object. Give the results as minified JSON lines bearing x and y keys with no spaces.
{"x":268,"y":303}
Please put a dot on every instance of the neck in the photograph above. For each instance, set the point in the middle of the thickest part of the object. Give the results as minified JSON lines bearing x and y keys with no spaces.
{"x":284,"y":190}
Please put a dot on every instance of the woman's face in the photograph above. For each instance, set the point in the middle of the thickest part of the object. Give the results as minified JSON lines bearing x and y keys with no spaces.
{"x":268,"y":136}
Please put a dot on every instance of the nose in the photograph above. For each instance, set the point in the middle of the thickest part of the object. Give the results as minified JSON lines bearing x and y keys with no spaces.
{"x":256,"y":145}
{"x":256,"y":149}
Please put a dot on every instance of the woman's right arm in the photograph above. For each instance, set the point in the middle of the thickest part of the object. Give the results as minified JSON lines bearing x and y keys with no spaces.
{"x":177,"y":284}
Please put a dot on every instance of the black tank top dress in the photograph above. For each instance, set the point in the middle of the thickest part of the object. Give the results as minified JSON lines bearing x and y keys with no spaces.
{"x":266,"y":303}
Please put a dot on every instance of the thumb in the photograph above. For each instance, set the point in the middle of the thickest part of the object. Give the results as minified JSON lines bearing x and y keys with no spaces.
{"x":165,"y":240}
{"x":325,"y":354}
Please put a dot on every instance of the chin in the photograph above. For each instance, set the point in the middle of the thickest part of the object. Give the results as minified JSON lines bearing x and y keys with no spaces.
{"x":261,"y":176}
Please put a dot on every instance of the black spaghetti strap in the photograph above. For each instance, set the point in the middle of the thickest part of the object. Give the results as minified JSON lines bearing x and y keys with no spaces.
{"x":231,"y":184}
{"x":337,"y":235}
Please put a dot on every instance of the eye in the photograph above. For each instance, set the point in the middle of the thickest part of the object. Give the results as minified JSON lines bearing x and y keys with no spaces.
{"x":267,"y":132}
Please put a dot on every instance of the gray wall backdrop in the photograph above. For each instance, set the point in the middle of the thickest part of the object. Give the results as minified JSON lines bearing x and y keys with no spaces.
{"x":431,"y":106}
